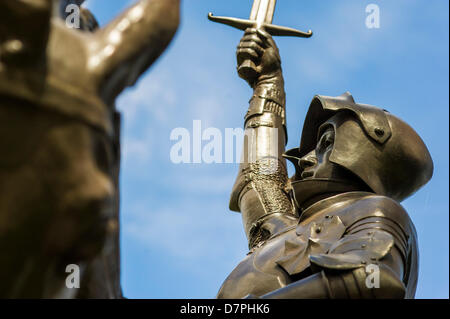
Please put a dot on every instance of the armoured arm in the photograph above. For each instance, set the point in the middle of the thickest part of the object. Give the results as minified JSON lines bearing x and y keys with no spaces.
{"x":124,"y":49}
{"x":260,"y":187}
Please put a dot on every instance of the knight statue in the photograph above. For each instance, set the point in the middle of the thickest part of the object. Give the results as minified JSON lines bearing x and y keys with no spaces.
{"x":324,"y":231}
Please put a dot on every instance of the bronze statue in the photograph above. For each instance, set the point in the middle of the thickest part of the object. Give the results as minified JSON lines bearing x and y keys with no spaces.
{"x":59,"y":138}
{"x":314,"y":235}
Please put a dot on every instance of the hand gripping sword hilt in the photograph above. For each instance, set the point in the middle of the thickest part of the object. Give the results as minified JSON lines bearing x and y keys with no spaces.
{"x":248,"y":68}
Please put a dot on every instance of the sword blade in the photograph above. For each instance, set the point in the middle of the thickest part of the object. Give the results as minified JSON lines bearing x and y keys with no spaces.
{"x":255,"y":9}
{"x":262,"y":12}
{"x":271,"y":11}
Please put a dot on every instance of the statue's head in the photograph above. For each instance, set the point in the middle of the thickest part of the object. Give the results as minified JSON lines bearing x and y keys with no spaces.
{"x":354,"y":147}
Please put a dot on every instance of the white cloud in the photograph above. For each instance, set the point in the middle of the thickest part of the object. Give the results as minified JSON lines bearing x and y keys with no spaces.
{"x":152,"y":97}
{"x":184,"y":229}
{"x":135,"y":149}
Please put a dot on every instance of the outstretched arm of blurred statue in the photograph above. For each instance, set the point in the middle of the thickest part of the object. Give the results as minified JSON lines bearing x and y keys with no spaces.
{"x":121,"y":51}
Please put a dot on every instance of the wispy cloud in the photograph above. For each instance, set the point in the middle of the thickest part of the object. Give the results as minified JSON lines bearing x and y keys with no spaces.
{"x":183,"y":231}
{"x":152,"y":97}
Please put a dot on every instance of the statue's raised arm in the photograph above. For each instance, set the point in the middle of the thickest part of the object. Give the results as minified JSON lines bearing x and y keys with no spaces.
{"x":261,"y":191}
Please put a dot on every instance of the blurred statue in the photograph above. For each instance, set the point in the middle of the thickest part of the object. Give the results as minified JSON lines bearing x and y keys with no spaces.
{"x":59,"y":136}
{"x":335,"y":229}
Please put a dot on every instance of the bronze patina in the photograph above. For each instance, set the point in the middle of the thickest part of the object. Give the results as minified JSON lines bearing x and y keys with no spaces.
{"x":60,"y":133}
{"x":314,"y":235}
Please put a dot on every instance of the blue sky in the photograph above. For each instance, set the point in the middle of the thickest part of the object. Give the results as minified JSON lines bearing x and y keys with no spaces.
{"x":178,"y":238}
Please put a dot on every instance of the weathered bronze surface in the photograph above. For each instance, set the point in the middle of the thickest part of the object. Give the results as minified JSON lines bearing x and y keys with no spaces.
{"x":60,"y":131}
{"x":314,"y":234}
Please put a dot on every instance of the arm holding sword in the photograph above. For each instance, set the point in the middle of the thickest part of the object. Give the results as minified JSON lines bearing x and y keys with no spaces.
{"x":260,"y":192}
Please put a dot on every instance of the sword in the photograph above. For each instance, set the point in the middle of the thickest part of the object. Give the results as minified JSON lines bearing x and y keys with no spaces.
{"x":261,"y":18}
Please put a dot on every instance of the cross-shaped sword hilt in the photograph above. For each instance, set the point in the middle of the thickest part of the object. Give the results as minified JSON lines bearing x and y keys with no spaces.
{"x":260,"y":18}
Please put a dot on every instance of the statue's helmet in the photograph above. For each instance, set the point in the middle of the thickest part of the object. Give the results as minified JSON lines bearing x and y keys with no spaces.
{"x":379,"y":148}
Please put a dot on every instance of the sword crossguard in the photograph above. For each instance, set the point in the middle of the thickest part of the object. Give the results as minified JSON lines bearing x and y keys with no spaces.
{"x":248,"y":68}
{"x":272,"y":29}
